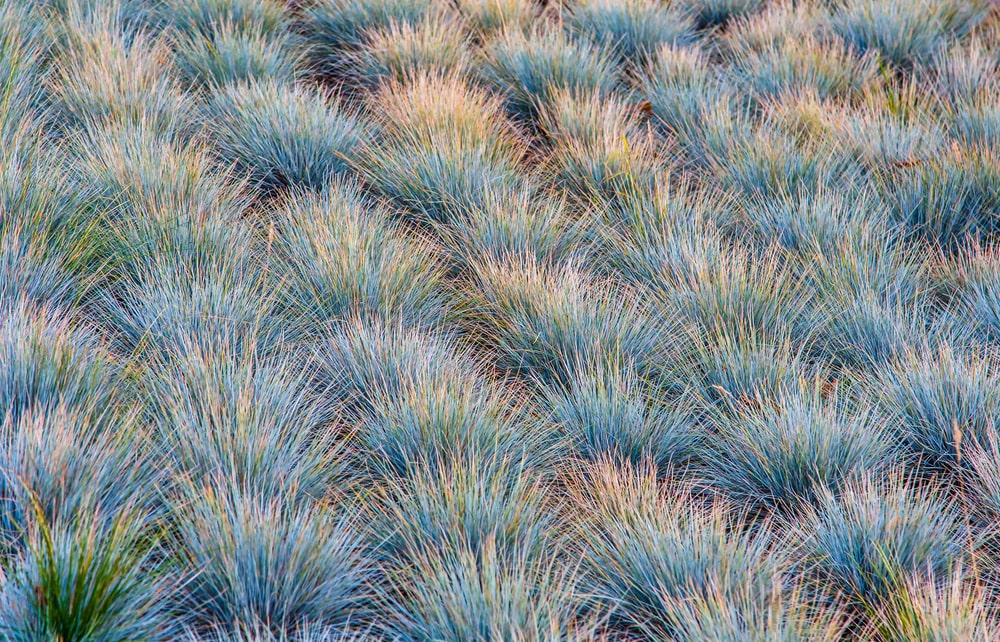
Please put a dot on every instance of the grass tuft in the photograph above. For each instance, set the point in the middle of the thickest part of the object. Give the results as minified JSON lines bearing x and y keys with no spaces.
{"x":283,"y":136}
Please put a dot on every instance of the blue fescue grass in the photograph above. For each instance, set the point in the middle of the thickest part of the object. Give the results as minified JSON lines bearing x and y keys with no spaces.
{"x":949,"y":608}
{"x":871,"y":300}
{"x":712,"y":13}
{"x":728,"y":369}
{"x":42,"y":232}
{"x":982,"y":491}
{"x":519,"y":220}
{"x":49,"y":360}
{"x":335,"y":29}
{"x":415,"y":398}
{"x":546,"y":321}
{"x":403,"y":50}
{"x":486,"y":17}
{"x":785,"y":49}
{"x":966,"y":77}
{"x":944,"y":200}
{"x":107,"y":74}
{"x":787,"y":615}
{"x":718,"y":287}
{"x":469,"y":503}
{"x":863,"y":542}
{"x":893,"y":129}
{"x":689,"y":100}
{"x":146,"y":198}
{"x":84,"y":581}
{"x":904,"y":33}
{"x":650,"y":553}
{"x":221,"y":41}
{"x":457,"y":595}
{"x":528,"y":69}
{"x":271,"y":563}
{"x":443,"y":146}
{"x":205,"y":17}
{"x":340,"y":257}
{"x":600,"y":148}
{"x":230,"y":54}
{"x":975,"y":282}
{"x":806,"y":220}
{"x":943,"y":399}
{"x":783,"y":453}
{"x":633,"y":29}
{"x":247,"y":418}
{"x":166,"y":305}
{"x":333,"y":320}
{"x":22,"y":48}
{"x":167,"y":241}
{"x":608,"y":412}
{"x":64,"y":463}
{"x":261,"y":633}
{"x":281,"y":135}
{"x":670,"y":249}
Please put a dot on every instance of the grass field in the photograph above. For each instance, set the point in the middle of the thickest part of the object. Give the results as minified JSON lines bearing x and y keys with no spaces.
{"x":499,"y":320}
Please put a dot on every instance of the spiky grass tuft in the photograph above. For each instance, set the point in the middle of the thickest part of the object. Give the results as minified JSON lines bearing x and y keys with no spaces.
{"x":865,"y":541}
{"x":283,"y":136}
{"x":83,"y":581}
{"x":653,"y":556}
{"x":942,"y":398}
{"x":633,"y":29}
{"x":403,"y":50}
{"x":336,"y":29}
{"x":416,"y":399}
{"x":444,"y":146}
{"x":783,"y":453}
{"x":904,"y":33}
{"x":528,"y":69}
{"x":608,"y":411}
{"x":267,"y":563}
{"x":342,"y":258}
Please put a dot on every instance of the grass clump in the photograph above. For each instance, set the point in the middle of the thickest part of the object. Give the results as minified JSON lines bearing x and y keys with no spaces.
{"x":633,"y":29}
{"x":486,"y":17}
{"x":49,"y":360}
{"x":528,"y":69}
{"x":84,"y":581}
{"x":713,"y":13}
{"x":866,"y":540}
{"x":335,"y":29}
{"x":601,"y":151}
{"x":546,"y":321}
{"x":415,"y":398}
{"x":436,"y":46}
{"x":469,"y":503}
{"x":108,"y":75}
{"x":283,"y":136}
{"x":951,"y":608}
{"x":444,"y":147}
{"x":904,"y":33}
{"x":608,"y":412}
{"x":232,"y":413}
{"x":942,"y":398}
{"x":783,"y":456}
{"x":460,"y":595}
{"x":266,"y":563}
{"x":343,"y":259}
{"x":652,"y":556}
{"x":230,"y":54}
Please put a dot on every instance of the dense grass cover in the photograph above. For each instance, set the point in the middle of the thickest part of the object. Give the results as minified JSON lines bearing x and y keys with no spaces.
{"x":499,"y":320}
